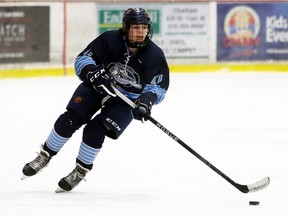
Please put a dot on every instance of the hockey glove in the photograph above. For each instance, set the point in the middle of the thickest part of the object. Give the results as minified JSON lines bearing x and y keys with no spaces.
{"x":142,"y":109}
{"x":101,"y":80}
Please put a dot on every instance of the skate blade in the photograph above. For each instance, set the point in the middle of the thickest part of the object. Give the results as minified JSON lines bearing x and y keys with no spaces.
{"x":60,"y":190}
{"x":24,"y":177}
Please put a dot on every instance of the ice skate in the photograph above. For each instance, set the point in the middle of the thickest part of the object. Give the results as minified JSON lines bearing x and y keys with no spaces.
{"x":72,"y":179}
{"x":37,"y":165}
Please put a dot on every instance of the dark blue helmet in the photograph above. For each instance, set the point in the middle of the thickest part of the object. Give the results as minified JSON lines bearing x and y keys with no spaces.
{"x":137,"y":16}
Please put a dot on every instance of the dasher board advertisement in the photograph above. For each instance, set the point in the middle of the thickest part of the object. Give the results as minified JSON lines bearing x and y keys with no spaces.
{"x":24,"y":34}
{"x":181,"y":30}
{"x":252,"y":32}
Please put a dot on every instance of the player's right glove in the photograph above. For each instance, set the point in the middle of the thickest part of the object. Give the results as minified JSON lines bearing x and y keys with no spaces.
{"x":101,"y":80}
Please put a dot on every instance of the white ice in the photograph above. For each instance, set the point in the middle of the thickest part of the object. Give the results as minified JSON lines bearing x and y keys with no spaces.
{"x":237,"y":121}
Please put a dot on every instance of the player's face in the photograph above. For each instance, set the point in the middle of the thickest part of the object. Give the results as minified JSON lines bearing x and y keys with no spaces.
{"x":137,"y":33}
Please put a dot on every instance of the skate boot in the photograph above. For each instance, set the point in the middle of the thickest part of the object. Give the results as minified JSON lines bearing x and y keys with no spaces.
{"x":37,"y":165}
{"x":72,"y":179}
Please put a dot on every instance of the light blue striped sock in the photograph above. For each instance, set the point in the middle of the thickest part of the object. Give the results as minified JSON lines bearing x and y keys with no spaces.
{"x":87,"y":154}
{"x":55,"y":142}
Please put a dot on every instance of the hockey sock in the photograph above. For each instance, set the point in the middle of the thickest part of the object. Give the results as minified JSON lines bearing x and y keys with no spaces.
{"x":87,"y":155}
{"x":64,"y":127}
{"x":55,"y":142}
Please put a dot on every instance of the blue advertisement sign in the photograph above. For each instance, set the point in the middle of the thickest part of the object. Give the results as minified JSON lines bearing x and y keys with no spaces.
{"x":257,"y":31}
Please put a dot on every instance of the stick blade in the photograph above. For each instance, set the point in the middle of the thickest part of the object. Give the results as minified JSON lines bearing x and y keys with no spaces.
{"x":260,"y":185}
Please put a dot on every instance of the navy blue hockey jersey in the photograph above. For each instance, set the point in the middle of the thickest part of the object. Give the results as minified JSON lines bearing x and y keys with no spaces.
{"x":145,"y":71}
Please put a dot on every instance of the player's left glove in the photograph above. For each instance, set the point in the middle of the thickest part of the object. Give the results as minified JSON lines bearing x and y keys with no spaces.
{"x":142,"y":110}
{"x":101,"y":80}
{"x":143,"y":106}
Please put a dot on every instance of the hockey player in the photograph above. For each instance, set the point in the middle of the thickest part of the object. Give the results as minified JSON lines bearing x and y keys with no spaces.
{"x":126,"y":58}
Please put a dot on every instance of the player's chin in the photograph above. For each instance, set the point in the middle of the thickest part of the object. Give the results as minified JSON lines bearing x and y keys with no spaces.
{"x":140,"y":39}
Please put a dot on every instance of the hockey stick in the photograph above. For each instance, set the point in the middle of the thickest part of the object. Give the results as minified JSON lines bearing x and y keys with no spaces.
{"x":243,"y":188}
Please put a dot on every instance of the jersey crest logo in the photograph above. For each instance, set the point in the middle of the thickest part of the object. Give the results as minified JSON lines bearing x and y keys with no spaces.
{"x":125,"y":75}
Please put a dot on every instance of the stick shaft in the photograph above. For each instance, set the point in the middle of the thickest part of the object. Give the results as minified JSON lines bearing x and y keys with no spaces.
{"x":175,"y":138}
{"x":243,"y":188}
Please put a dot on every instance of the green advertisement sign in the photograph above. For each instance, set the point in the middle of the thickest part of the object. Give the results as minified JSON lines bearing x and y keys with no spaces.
{"x":112,"y":19}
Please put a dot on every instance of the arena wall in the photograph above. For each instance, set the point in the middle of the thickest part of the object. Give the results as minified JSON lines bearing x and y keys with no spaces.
{"x":43,"y":37}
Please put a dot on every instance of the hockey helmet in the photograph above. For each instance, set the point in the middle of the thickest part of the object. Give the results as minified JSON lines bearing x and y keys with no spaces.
{"x":136,"y":16}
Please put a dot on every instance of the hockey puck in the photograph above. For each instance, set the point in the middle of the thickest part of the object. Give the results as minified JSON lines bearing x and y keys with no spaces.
{"x":254,"y":203}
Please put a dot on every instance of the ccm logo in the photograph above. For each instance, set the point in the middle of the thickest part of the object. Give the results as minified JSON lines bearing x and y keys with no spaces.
{"x":96,"y":75}
{"x":113,"y":124}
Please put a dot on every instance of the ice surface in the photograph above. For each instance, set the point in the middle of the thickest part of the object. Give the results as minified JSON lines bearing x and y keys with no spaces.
{"x":237,"y":121}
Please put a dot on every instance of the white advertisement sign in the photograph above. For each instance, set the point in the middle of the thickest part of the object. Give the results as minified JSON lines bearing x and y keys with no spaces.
{"x":184,"y":30}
